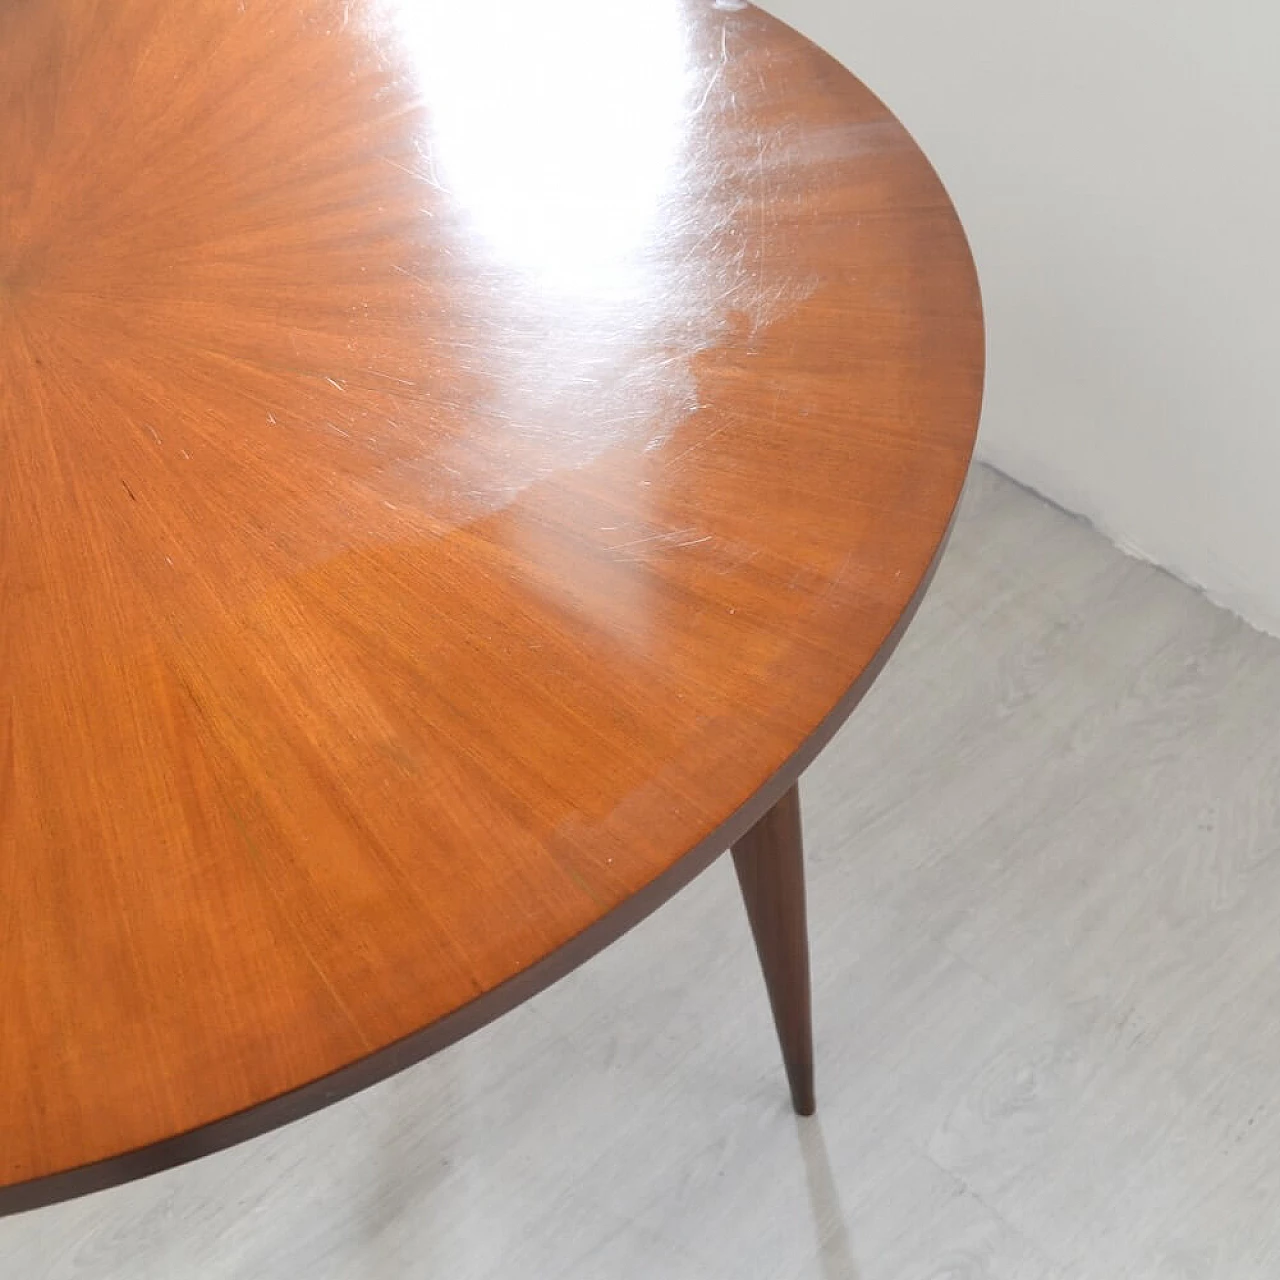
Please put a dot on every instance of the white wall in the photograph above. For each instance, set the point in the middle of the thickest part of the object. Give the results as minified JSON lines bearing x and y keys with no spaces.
{"x":1117,"y":166}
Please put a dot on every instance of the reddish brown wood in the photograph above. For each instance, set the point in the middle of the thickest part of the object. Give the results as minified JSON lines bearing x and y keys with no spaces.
{"x":456,"y":467}
{"x":769,"y":861}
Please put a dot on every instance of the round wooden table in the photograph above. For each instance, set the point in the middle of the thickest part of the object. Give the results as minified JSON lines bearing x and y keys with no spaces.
{"x":460,"y":463}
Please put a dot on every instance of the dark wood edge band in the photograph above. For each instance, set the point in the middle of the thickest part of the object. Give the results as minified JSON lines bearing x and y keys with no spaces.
{"x":379,"y":1065}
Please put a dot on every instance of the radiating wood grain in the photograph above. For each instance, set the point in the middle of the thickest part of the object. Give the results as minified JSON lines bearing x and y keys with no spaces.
{"x":1043,"y":879}
{"x":454,"y":461}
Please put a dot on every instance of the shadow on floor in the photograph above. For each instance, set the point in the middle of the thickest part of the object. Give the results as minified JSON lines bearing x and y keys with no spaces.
{"x":835,"y":1252}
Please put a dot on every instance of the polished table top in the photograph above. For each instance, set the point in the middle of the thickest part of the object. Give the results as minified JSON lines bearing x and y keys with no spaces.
{"x":459,"y":462}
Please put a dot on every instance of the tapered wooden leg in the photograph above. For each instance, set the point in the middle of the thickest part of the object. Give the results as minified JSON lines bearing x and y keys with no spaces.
{"x":769,"y":860}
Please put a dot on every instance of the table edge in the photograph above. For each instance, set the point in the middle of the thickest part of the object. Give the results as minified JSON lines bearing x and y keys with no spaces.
{"x":274,"y":1113}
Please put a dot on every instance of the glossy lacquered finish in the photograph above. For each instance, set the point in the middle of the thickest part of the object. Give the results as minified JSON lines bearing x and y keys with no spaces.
{"x":458,"y":462}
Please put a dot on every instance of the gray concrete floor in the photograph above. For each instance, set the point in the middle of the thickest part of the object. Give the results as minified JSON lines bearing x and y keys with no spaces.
{"x":1045,"y":878}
